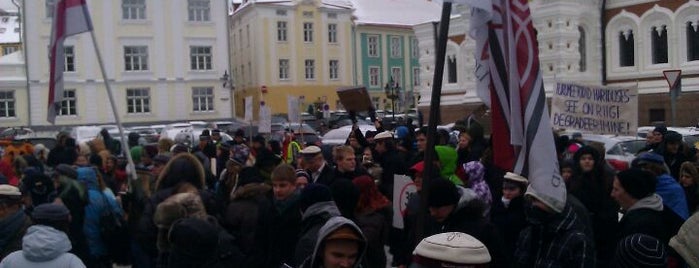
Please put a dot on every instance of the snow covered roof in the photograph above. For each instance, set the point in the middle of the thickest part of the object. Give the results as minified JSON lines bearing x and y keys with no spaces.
{"x":12,"y":58}
{"x":9,"y":29}
{"x":7,"y":6}
{"x":329,"y":4}
{"x":396,"y":12}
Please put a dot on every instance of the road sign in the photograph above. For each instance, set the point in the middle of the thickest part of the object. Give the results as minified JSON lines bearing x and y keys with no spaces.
{"x":672,"y":77}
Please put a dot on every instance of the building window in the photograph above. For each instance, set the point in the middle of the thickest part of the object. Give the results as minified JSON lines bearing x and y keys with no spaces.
{"x":414,"y":48}
{"x":332,"y":33}
{"x":656,"y":115}
{"x":692,"y":41}
{"x":308,"y":14}
{"x":416,"y":76}
{"x":137,"y":100}
{"x":397,"y":75}
{"x":133,"y":9}
{"x":582,"y":50}
{"x":373,"y":46}
{"x":284,"y":69}
{"x":308,"y":32}
{"x":281,"y":12}
{"x":334,"y":69}
{"x":7,"y":104}
{"x":332,"y":15}
{"x":626,"y":47}
{"x":199,"y":10}
{"x":203,"y":99}
{"x":451,"y":69}
{"x":281,"y":30}
{"x":374,"y":76}
{"x":136,"y":58}
{"x":659,"y":44}
{"x":50,"y":6}
{"x":200,"y":57}
{"x":8,"y":49}
{"x":310,"y":69}
{"x":395,"y":47}
{"x":69,"y":53}
{"x":68,"y":103}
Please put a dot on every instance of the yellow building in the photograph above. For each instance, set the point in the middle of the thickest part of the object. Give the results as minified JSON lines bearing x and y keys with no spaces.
{"x":296,"y":47}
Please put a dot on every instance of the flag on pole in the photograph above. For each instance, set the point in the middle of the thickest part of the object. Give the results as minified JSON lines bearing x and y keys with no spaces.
{"x":70,"y":17}
{"x":507,"y":66}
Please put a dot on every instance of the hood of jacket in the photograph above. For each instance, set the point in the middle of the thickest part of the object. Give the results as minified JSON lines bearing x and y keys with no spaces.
{"x":686,"y":242}
{"x":184,"y":167}
{"x":88,"y":176}
{"x":328,"y":207}
{"x":250,"y":190}
{"x":653,"y":202}
{"x":333,"y":224}
{"x":43,"y":243}
{"x":447,"y":158}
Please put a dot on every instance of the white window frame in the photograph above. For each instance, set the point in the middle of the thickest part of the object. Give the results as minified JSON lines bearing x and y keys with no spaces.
{"x":138,"y":100}
{"x":69,"y":63}
{"x":282,"y":31}
{"x":50,"y":6}
{"x":9,"y":49}
{"x":136,"y":58}
{"x":283,"y":69}
{"x":199,"y":10}
{"x":200,"y":58}
{"x":416,"y":76}
{"x":8,"y":104}
{"x":334,"y":69}
{"x":374,"y":76}
{"x":202,"y":99}
{"x":133,"y":9}
{"x":308,"y":32}
{"x":372,"y":44}
{"x":310,"y":69}
{"x":396,"y":46}
{"x":332,"y":33}
{"x":68,"y":104}
{"x":414,"y":48}
{"x":397,"y":75}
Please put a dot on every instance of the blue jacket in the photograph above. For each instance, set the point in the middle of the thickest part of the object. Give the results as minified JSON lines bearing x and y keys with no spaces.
{"x":98,"y":202}
{"x":43,"y":246}
{"x":672,"y":194}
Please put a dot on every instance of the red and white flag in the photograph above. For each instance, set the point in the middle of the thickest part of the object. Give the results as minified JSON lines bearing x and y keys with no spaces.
{"x":70,"y":17}
{"x":507,"y":66}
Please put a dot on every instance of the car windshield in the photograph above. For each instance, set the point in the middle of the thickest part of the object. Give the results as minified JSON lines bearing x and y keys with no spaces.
{"x":632,"y":146}
{"x":692,"y":139}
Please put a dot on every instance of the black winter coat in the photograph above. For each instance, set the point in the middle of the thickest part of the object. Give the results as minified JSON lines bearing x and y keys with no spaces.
{"x":510,"y":221}
{"x":278,"y":231}
{"x":241,"y":217}
{"x":375,"y":226}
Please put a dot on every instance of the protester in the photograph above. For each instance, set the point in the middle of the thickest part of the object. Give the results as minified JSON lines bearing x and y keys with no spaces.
{"x":686,"y":241}
{"x":317,"y":207}
{"x":451,"y":249}
{"x":346,"y":164}
{"x":202,"y":243}
{"x":689,"y":179}
{"x":340,"y":244}
{"x":178,"y":206}
{"x":666,"y":186}
{"x":390,"y":161}
{"x":45,"y":244}
{"x":640,"y":250}
{"x":73,"y":194}
{"x":13,"y":221}
{"x":302,"y":179}
{"x":373,"y":216}
{"x":241,"y":217}
{"x":315,"y":164}
{"x":507,"y":214}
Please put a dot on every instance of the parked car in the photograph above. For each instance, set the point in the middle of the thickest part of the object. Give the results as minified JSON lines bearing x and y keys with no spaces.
{"x":338,"y":136}
{"x":17,"y":133}
{"x":85,"y":133}
{"x":148,"y":133}
{"x":690,"y":134}
{"x":171,"y":130}
{"x":619,"y":150}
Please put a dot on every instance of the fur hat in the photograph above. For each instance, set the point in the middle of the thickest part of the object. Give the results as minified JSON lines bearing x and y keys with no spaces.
{"x":451,"y":250}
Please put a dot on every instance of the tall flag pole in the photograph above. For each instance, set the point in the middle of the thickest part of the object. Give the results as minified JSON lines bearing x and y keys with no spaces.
{"x":72,"y":17}
{"x":510,"y":81}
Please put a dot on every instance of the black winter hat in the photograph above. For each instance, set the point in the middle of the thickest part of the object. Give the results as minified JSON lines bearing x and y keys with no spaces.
{"x":640,"y":250}
{"x":259,"y":139}
{"x":661,"y":129}
{"x":314,"y":193}
{"x":673,"y":136}
{"x":638,"y":183}
{"x":249,"y":175}
{"x":442,"y":193}
{"x":51,"y":212}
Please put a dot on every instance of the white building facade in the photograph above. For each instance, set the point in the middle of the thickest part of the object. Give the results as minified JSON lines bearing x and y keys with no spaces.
{"x":163,"y":59}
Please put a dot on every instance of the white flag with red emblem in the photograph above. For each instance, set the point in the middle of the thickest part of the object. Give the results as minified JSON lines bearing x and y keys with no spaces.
{"x":70,"y":17}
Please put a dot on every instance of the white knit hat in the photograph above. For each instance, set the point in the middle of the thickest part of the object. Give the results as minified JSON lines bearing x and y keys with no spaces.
{"x":450,"y":250}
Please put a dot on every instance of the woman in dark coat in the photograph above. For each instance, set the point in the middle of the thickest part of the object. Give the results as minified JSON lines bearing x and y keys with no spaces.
{"x":507,"y":214}
{"x":373,"y":214}
{"x":592,"y":185}
{"x":247,"y":201}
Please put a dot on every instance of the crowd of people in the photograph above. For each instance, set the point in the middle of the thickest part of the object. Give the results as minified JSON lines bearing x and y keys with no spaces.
{"x":266,"y":203}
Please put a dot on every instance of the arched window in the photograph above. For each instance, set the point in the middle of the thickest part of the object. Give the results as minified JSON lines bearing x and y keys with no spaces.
{"x":626,"y":47}
{"x":659,"y":44}
{"x":451,"y":69}
{"x":692,"y":41}
{"x":582,"y":49}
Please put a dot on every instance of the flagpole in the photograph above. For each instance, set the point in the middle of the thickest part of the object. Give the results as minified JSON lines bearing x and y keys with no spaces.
{"x":131,"y":167}
{"x":441,"y":47}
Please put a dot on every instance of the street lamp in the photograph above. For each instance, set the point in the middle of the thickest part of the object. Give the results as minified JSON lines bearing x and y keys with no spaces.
{"x":392,"y":90}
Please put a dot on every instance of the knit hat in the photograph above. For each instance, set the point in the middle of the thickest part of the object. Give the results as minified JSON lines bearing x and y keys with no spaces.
{"x":650,"y":158}
{"x":240,"y":153}
{"x":383,"y":135}
{"x":660,"y":129}
{"x":249,"y":175}
{"x":51,"y":212}
{"x":344,"y":233}
{"x":686,"y":241}
{"x":194,"y":238}
{"x":673,"y":136}
{"x":640,"y":250}
{"x":450,"y":250}
{"x":314,"y":193}
{"x":205,"y":135}
{"x":303,"y":173}
{"x":9,"y":191}
{"x":66,"y":170}
{"x":636,"y":182}
{"x":442,"y":193}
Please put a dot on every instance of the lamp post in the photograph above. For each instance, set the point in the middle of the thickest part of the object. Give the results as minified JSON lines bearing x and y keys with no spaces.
{"x":392,"y":90}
